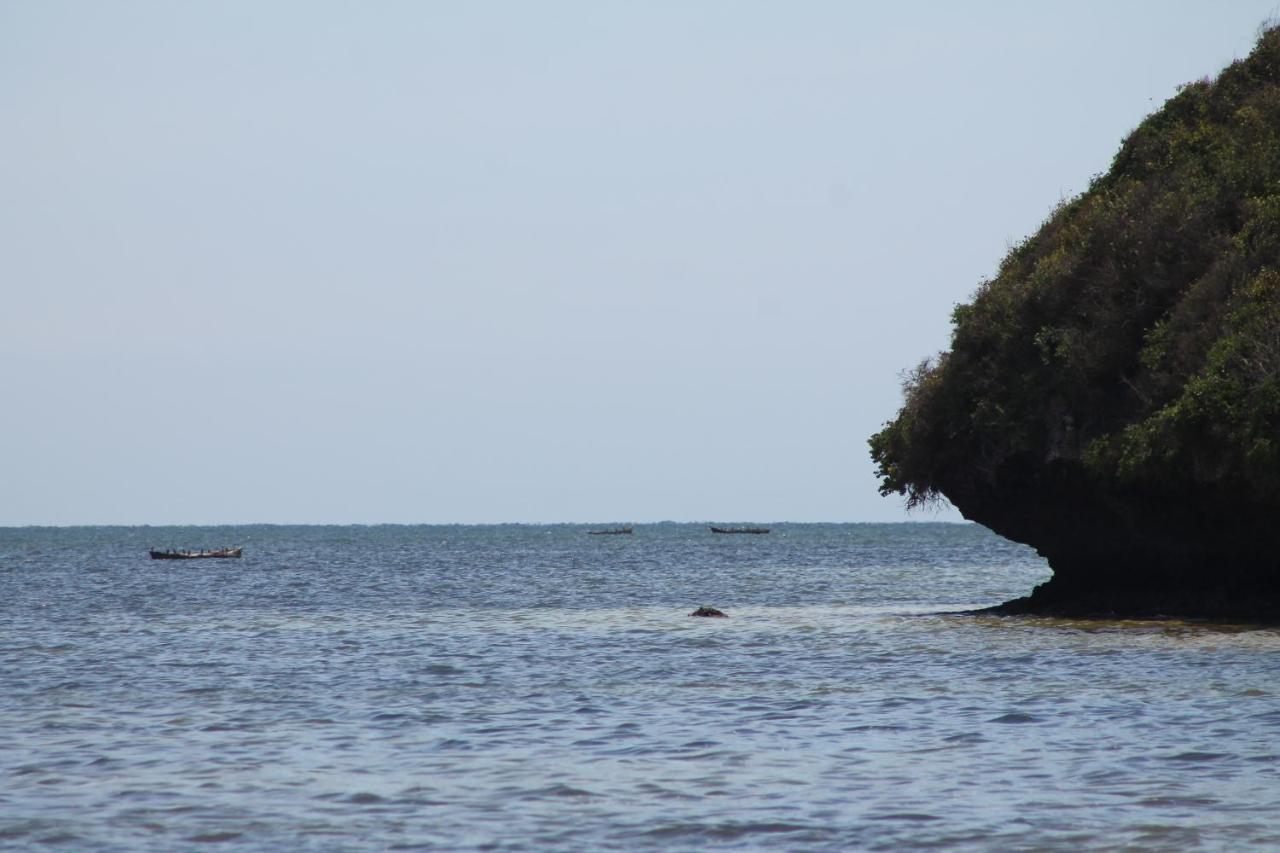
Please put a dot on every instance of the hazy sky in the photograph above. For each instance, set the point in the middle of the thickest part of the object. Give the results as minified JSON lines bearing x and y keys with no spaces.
{"x":469,"y":261}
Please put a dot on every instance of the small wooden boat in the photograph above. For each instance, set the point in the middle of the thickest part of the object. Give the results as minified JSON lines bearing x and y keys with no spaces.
{"x":621,"y":531}
{"x":756,"y":530}
{"x":219,"y":553}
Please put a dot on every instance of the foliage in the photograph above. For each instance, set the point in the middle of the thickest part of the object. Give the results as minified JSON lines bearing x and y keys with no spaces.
{"x":1136,"y":335}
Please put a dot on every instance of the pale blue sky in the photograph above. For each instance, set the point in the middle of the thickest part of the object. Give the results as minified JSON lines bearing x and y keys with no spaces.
{"x":469,"y":262}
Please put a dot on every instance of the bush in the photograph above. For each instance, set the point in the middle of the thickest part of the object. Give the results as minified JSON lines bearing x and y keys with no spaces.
{"x":1136,"y":336}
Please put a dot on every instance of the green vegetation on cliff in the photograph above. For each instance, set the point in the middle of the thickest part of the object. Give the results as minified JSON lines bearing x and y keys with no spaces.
{"x":1121,"y":371}
{"x":1137,"y":334}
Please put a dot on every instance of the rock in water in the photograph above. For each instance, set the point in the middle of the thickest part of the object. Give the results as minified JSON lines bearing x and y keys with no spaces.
{"x":1112,"y":394}
{"x":709,"y":611}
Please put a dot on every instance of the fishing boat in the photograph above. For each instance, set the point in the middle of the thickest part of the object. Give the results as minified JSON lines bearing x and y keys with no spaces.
{"x":185,"y":554}
{"x":756,"y":530}
{"x":621,"y":531}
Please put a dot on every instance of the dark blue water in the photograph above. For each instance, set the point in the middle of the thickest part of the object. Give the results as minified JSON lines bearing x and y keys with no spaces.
{"x":518,"y":687}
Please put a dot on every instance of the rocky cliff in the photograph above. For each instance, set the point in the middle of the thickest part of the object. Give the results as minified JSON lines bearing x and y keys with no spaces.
{"x":1112,"y":395}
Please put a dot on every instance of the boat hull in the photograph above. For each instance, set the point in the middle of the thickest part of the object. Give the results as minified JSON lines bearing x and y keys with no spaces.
{"x":219,"y":554}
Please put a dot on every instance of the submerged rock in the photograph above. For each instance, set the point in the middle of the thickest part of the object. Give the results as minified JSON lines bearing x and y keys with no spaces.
{"x":1112,"y":395}
{"x":709,"y":611}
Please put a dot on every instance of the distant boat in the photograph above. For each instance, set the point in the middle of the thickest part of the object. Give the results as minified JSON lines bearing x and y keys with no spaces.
{"x":739,"y":530}
{"x":222,"y":553}
{"x":621,"y":531}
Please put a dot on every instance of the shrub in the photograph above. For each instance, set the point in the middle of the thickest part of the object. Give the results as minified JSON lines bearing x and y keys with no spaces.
{"x":1136,"y":335}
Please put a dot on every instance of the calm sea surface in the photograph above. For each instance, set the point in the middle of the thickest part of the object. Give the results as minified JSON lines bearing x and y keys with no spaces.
{"x":516,"y":687}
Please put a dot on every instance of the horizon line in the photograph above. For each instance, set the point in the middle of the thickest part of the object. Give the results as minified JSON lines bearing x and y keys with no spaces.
{"x":464,"y":523}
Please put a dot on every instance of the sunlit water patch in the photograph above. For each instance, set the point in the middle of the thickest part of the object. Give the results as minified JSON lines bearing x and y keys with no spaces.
{"x":536,"y":687}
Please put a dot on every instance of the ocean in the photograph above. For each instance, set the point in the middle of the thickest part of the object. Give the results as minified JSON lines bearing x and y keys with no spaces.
{"x":533,"y":687}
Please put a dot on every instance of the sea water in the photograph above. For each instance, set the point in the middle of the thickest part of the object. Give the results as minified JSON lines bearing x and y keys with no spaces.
{"x":519,"y":687}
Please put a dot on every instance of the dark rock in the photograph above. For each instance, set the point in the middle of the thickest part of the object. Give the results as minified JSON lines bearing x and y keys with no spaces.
{"x":709,"y":611}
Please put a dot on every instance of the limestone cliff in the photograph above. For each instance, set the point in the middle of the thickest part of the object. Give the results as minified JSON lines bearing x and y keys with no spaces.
{"x":1112,"y":395}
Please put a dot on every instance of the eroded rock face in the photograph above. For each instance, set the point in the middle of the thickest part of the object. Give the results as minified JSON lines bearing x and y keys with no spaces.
{"x":1112,"y":395}
{"x":709,"y":611}
{"x":1137,"y":557}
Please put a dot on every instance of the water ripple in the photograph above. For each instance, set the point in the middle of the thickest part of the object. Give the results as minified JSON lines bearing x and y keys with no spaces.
{"x":466,"y":688}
